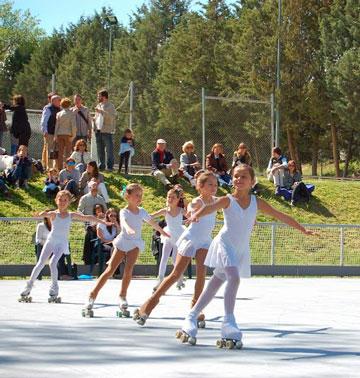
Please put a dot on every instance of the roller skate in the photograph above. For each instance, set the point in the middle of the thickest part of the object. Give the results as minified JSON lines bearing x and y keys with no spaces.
{"x":231,"y":335}
{"x":180,"y":284}
{"x":123,"y":312}
{"x":139,"y":319}
{"x":189,"y":330}
{"x":201,"y":321}
{"x":25,"y":294}
{"x":87,"y":311}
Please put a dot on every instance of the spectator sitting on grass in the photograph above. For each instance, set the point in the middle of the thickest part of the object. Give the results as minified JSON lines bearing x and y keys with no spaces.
{"x":81,"y":155}
{"x":276,"y":167}
{"x":52,"y":183}
{"x":164,"y":167}
{"x":293,"y":182}
{"x":20,"y":174}
{"x":69,"y":177}
{"x":189,"y":162}
{"x":89,"y":200}
{"x":92,"y":172}
{"x":215,"y":162}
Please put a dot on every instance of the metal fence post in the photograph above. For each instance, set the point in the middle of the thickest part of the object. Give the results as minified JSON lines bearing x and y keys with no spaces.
{"x":203,"y":126}
{"x":53,"y":83}
{"x":273,"y":144}
{"x":341,"y":246}
{"x":273,"y":242}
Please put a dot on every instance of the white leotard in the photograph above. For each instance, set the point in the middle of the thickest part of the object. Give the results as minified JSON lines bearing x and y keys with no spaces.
{"x":174,"y":227}
{"x":197,"y":235}
{"x":231,"y":247}
{"x":58,"y":237}
{"x":125,"y":242}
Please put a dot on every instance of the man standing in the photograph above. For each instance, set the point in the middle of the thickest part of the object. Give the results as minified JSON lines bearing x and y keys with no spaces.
{"x":83,"y":120}
{"x":104,"y":124}
{"x":47,"y":123}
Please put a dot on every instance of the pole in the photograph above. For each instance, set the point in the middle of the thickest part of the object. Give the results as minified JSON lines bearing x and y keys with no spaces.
{"x":109,"y":67}
{"x":131,"y":105}
{"x":277,"y":129}
{"x":53,"y":83}
{"x":203,"y":126}
{"x":272,"y":121}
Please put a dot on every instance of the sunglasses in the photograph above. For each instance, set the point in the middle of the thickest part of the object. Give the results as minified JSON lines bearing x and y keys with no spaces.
{"x":70,"y":163}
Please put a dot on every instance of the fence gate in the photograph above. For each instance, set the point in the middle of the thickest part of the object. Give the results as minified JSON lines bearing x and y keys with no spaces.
{"x":230,"y":121}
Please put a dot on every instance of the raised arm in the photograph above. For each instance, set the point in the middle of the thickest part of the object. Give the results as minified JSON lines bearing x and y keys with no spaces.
{"x":220,"y":203}
{"x":89,"y":218}
{"x":47,"y":214}
{"x":156,"y":227}
{"x":267,"y":209}
{"x":158,"y":213}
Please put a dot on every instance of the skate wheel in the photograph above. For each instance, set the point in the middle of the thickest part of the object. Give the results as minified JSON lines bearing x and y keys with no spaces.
{"x":238,"y":345}
{"x":192,"y":340}
{"x":83,"y":313}
{"x":119,"y":314}
{"x":184,"y":338}
{"x":136,"y":314}
{"x":49,"y":300}
{"x":30,"y":299}
{"x":219,"y":343}
{"x":141,"y":321}
{"x":229,"y":344}
{"x":126,"y":314}
{"x":91,"y":314}
{"x":201,"y":324}
{"x":58,"y":300}
{"x":178,"y":334}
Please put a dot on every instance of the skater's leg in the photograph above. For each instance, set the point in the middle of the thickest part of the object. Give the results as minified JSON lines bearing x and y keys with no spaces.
{"x":54,"y":288}
{"x":200,"y":274}
{"x":232,"y":285}
{"x":45,"y":254}
{"x":131,"y":258}
{"x":167,"y":247}
{"x":113,"y":263}
{"x":178,"y":270}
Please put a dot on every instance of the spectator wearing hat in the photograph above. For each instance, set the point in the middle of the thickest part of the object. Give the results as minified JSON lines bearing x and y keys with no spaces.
{"x":104,"y":124}
{"x":65,"y":131}
{"x":163,"y":164}
{"x":69,"y":177}
{"x":47,"y":124}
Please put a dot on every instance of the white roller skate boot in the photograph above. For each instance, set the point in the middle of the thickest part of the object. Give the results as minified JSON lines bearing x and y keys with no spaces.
{"x":53,"y":295}
{"x":87,"y":311}
{"x":180,"y":284}
{"x":123,"y":305}
{"x":188,"y":332}
{"x":25,"y":294}
{"x":231,"y":335}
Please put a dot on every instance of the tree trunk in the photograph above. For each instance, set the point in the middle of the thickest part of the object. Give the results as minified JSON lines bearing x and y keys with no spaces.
{"x":315,"y":154}
{"x":335,"y":150}
{"x":291,"y":144}
{"x":349,"y":154}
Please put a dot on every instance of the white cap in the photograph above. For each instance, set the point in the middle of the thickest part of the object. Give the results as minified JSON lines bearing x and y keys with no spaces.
{"x":161,"y":141}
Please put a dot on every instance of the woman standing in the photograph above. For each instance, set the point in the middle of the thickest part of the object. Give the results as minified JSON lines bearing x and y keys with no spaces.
{"x":20,"y":127}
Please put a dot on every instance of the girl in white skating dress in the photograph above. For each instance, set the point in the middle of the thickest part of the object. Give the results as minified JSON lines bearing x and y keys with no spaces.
{"x":193,"y":243}
{"x":174,"y":215}
{"x":229,"y":252}
{"x":127,"y":244}
{"x":57,"y":242}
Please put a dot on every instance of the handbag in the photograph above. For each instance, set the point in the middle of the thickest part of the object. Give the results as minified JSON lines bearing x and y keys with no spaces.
{"x":54,"y":153}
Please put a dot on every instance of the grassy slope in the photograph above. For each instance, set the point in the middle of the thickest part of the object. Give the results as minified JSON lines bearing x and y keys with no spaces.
{"x":332,"y":202}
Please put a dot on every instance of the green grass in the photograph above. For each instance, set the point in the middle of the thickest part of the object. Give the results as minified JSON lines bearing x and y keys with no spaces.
{"x":333,"y":202}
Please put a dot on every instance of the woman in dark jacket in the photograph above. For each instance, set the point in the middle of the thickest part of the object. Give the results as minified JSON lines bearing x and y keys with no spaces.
{"x":216,"y":163}
{"x":20,"y":126}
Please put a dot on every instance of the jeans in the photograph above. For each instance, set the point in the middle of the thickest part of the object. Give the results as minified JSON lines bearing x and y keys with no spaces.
{"x":104,"y":141}
{"x":72,"y":186}
{"x":21,"y":172}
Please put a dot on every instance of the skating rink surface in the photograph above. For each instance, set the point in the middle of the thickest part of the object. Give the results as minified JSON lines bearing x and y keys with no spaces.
{"x":292,"y":328}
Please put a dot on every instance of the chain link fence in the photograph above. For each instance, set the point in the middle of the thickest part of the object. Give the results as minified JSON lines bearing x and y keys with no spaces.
{"x":272,"y":244}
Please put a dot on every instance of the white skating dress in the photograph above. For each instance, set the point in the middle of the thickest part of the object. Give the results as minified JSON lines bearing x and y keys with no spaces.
{"x":197,"y":235}
{"x":174,"y":227}
{"x":125,"y":242}
{"x":58,"y":238}
{"x":231,"y":247}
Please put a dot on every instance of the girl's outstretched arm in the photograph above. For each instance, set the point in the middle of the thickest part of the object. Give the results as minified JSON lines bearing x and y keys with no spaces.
{"x":158,"y":213}
{"x":156,"y":227}
{"x":89,"y":218}
{"x":220,"y":203}
{"x":267,"y":209}
{"x":47,"y":214}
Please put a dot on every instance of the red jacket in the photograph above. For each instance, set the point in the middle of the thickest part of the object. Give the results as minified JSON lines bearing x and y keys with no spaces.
{"x":216,"y":165}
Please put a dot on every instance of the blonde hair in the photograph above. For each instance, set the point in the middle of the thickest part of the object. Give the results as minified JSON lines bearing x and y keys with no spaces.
{"x":218,"y":145}
{"x":78,"y":142}
{"x":187,"y":144}
{"x":247,"y":167}
{"x":65,"y":102}
{"x":131,"y":188}
{"x":62,"y":193}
